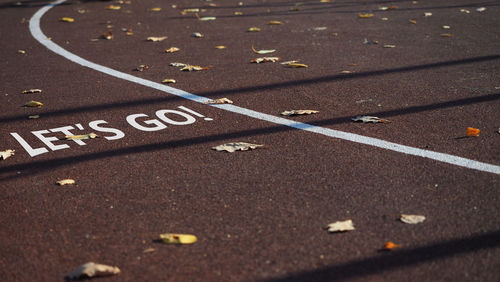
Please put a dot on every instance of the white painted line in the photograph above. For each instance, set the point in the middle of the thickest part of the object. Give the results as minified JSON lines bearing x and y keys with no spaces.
{"x":446,"y":158}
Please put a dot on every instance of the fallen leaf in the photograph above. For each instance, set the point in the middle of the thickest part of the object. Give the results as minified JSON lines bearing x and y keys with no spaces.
{"x":113,"y":7}
{"x":205,"y":18}
{"x":274,"y":23}
{"x":178,"y":64}
{"x":253,"y":29}
{"x":81,"y":137}
{"x":149,"y":250}
{"x":319,"y":28}
{"x":365,"y":15}
{"x":168,"y":80}
{"x":219,"y":101}
{"x":67,"y":19}
{"x":446,"y":27}
{"x":65,"y":182}
{"x":290,"y":62}
{"x":346,"y":71}
{"x":178,"y":239}
{"x":427,"y":14}
{"x":389,"y":46}
{"x":31,"y":91}
{"x":481,"y":9}
{"x":34,"y":117}
{"x":107,"y":36}
{"x":391,"y":245}
{"x":155,"y":9}
{"x":21,"y":51}
{"x":296,"y":65}
{"x":142,"y":68}
{"x":197,"y":35}
{"x":471,"y":131}
{"x":446,"y":35}
{"x":82,"y":11}
{"x":465,"y":11}
{"x":263,"y":51}
{"x":370,"y":42}
{"x":385,"y":19}
{"x":156,"y":39}
{"x":236,"y":146}
{"x":413,"y":21}
{"x":341,"y":226}
{"x":325,"y":1}
{"x":220,"y":47}
{"x":193,"y":68}
{"x":265,"y":60}
{"x":172,"y":50}
{"x":34,"y":104}
{"x":299,"y":112}
{"x":372,"y":119}
{"x":412,"y":218}
{"x":7,"y":153}
{"x":91,"y":269}
{"x":238,"y":13}
{"x":191,"y":10}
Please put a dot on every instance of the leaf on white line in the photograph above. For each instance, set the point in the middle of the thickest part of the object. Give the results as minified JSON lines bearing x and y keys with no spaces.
{"x":299,"y":112}
{"x":412,"y":218}
{"x":341,"y":226}
{"x":236,"y":146}
{"x":91,"y":269}
{"x":371,"y":119}
{"x":81,"y":137}
{"x":7,"y":153}
{"x":219,"y":101}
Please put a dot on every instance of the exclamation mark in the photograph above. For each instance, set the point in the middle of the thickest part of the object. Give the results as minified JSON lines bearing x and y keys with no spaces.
{"x":195,"y":113}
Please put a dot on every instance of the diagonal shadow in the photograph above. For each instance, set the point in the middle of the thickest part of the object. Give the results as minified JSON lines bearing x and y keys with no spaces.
{"x":397,"y":259}
{"x":236,"y":91}
{"x":44,"y":165}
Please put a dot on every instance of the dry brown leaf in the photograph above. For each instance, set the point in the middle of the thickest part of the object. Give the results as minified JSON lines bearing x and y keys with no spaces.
{"x":236,"y":146}
{"x":156,"y":38}
{"x":65,"y":182}
{"x":172,"y":50}
{"x":81,"y":137}
{"x":178,"y":239}
{"x":265,"y":60}
{"x":149,"y":250}
{"x":33,"y":104}
{"x":412,"y":218}
{"x":253,"y":29}
{"x":341,"y":226}
{"x":168,"y":80}
{"x":31,"y":91}
{"x":7,"y":153}
{"x":219,"y":101}
{"x":67,"y":19}
{"x":238,"y":13}
{"x":413,"y":21}
{"x":91,"y":269}
{"x":107,"y":36}
{"x":299,"y":112}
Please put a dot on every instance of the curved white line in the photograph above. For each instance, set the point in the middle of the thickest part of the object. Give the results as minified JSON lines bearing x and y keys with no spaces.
{"x":446,"y":158}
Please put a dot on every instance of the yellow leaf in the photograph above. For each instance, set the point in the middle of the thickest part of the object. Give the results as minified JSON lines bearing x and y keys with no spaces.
{"x":296,"y":65}
{"x":81,"y":137}
{"x":178,"y":239}
{"x":168,"y":80}
{"x":253,"y":29}
{"x":220,"y":47}
{"x":238,"y":13}
{"x":67,"y":19}
{"x":113,"y":7}
{"x":34,"y":117}
{"x":65,"y":182}
{"x":21,"y":51}
{"x":274,"y":23}
{"x":365,"y":15}
{"x":33,"y":104}
{"x":156,"y":9}
{"x":391,"y":245}
{"x":172,"y":50}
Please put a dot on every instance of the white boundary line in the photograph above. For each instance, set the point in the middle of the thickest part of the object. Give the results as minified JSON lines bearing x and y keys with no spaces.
{"x":441,"y":157}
